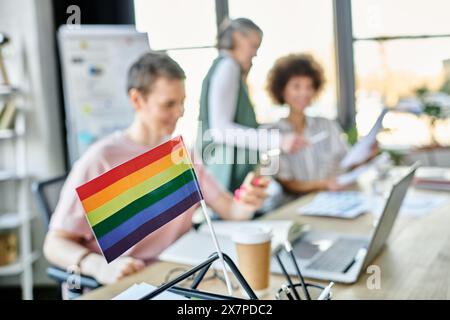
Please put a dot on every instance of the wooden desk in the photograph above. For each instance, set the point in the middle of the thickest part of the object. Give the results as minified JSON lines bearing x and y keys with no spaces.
{"x":414,"y":265}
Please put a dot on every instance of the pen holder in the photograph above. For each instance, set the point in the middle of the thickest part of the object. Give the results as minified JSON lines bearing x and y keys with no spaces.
{"x":314,"y":290}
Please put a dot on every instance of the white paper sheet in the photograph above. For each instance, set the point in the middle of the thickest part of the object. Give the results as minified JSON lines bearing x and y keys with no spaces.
{"x":352,"y":176}
{"x":195,"y":247}
{"x":362,"y":149}
{"x":416,"y":204}
{"x":138,"y":291}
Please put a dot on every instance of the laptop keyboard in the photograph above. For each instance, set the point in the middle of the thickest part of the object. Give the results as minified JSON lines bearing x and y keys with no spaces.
{"x":344,"y":204}
{"x":339,"y":257}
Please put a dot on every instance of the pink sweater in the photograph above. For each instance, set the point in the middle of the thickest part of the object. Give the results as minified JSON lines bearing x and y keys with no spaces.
{"x":105,"y":154}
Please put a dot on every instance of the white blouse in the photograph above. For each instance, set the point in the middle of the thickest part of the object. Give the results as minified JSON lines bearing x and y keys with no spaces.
{"x":317,"y":161}
{"x":222,"y":103}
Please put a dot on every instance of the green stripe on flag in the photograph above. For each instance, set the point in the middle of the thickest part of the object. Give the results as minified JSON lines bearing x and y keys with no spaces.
{"x":142,"y":203}
{"x":124,"y":199}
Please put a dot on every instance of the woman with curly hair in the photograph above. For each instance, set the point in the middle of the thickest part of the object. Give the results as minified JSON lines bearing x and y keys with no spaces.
{"x":296,"y":80}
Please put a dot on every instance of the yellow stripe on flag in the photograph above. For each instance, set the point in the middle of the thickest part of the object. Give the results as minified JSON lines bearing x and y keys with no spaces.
{"x":108,"y":209}
{"x":100,"y":198}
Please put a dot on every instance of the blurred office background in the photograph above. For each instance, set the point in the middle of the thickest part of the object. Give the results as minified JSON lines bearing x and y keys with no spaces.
{"x":376,"y":54}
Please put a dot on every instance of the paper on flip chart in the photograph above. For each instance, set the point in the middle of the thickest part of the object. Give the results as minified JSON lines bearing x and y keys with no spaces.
{"x":362,"y":149}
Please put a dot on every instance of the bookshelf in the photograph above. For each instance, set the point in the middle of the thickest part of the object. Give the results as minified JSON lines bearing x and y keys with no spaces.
{"x":15,"y":214}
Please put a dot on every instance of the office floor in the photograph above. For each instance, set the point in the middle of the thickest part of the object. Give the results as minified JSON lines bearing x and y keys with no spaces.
{"x":39,"y":293}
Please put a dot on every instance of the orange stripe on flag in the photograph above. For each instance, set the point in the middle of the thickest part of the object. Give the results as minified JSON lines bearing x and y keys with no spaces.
{"x":127,"y":168}
{"x":137,"y":177}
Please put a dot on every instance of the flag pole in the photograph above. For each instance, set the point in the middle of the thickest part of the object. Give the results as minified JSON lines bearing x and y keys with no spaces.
{"x":216,"y":244}
{"x":211,"y":229}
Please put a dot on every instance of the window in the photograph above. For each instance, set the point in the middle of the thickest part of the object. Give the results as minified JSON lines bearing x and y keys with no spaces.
{"x":373,"y":18}
{"x":290,"y":26}
{"x":177,"y":23}
{"x":187,"y":31}
{"x":400,"y":46}
{"x":196,"y":63}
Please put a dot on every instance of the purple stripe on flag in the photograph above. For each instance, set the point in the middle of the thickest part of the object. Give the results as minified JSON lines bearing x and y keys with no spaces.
{"x":121,"y":231}
{"x":150,"y":226}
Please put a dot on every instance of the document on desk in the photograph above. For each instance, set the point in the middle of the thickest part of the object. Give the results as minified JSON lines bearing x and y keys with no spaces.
{"x":417,"y":204}
{"x":362,"y":149}
{"x":138,"y":291}
{"x":342,"y":204}
{"x":195,"y":246}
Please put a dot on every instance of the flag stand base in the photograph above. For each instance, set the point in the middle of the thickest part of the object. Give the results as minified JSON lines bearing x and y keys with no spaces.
{"x":203,"y":268}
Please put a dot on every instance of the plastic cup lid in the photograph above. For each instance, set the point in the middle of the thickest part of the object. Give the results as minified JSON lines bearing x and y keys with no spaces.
{"x":252,"y":235}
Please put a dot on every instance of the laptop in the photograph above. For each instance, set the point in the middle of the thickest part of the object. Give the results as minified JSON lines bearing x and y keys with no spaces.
{"x":340,"y":257}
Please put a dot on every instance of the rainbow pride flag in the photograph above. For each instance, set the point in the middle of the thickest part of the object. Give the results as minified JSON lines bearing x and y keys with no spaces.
{"x":127,"y":203}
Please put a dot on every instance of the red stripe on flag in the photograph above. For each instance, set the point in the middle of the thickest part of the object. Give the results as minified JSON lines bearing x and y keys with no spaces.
{"x":127,"y":168}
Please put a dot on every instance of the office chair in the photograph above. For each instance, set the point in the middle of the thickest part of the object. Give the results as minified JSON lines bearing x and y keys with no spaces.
{"x":47,"y":196}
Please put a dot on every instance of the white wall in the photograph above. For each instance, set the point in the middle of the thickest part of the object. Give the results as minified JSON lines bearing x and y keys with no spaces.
{"x":31,"y":63}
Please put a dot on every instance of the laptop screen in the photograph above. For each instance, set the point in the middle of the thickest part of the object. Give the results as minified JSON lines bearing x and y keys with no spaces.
{"x":390,"y":212}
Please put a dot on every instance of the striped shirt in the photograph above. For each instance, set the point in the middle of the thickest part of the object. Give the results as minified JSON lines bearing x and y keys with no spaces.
{"x":317,"y":161}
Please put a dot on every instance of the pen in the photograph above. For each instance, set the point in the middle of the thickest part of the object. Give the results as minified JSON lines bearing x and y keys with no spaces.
{"x":287,"y":292}
{"x":287,"y":276}
{"x":326,"y":292}
{"x":288,"y":247}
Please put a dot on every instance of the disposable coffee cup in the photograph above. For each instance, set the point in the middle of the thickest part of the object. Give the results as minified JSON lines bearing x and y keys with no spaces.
{"x":253,"y":247}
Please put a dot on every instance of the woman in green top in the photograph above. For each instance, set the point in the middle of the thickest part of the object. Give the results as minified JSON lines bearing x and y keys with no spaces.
{"x":230,"y":140}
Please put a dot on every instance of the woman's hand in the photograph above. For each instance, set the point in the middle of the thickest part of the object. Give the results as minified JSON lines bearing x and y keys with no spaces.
{"x":374,"y":151}
{"x":251,"y":195}
{"x":96,"y":266}
{"x":293,"y":142}
{"x":333,"y":185}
